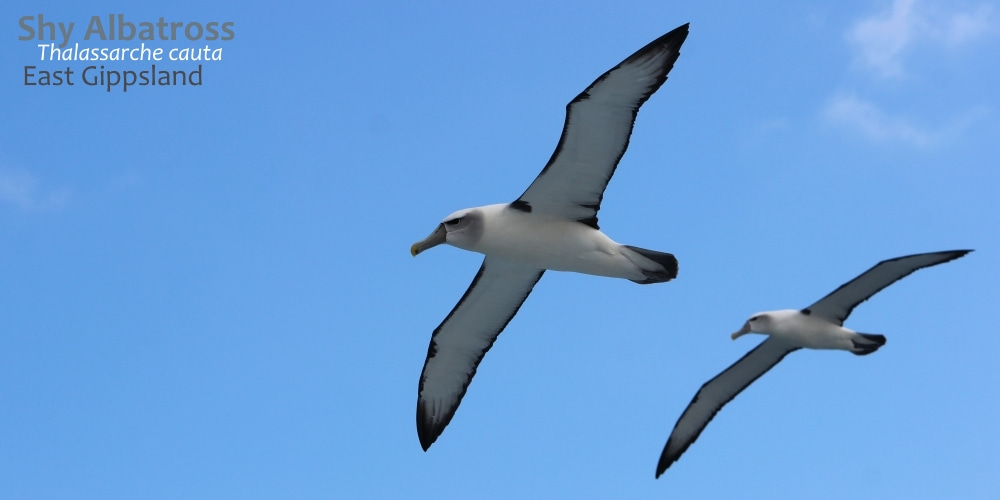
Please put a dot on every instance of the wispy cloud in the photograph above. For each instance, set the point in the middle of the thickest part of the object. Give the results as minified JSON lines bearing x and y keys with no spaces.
{"x":886,"y":45}
{"x":20,"y":189}
{"x":865,"y":116}
{"x":872,"y":121}
{"x":883,"y":39}
{"x":966,"y":26}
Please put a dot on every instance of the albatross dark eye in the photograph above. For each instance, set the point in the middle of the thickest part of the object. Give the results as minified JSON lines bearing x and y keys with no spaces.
{"x":454,"y":221}
{"x":755,"y":318}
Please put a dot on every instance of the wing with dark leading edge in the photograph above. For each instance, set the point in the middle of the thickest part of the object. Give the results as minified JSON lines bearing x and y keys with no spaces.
{"x":596,"y":133}
{"x":460,"y":342}
{"x":715,"y":393}
{"x":837,"y":306}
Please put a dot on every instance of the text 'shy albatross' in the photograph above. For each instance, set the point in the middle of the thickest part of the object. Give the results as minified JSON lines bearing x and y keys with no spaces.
{"x":818,"y":326}
{"x":553,"y":225}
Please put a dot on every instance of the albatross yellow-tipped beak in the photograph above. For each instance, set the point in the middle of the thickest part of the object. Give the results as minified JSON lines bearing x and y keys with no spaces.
{"x":436,"y":238}
{"x":742,"y":331}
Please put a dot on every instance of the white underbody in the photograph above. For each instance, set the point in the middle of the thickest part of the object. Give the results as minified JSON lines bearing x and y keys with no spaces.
{"x":549,"y":242}
{"x":802,"y":330}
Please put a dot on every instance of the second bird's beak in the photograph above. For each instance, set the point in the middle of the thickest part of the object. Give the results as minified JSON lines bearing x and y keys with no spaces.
{"x":742,"y":331}
{"x":436,"y":238}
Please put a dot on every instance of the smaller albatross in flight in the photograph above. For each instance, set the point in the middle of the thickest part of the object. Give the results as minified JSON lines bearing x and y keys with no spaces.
{"x":553,"y":225}
{"x":819,"y":326}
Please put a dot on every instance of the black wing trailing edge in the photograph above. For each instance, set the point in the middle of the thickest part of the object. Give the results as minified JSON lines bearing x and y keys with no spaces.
{"x":837,"y":306}
{"x":596,"y":132}
{"x":716,"y":393}
{"x":460,"y":342}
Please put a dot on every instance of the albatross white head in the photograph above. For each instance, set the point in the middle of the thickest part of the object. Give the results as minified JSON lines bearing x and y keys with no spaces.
{"x":767,"y":323}
{"x":461,"y":229}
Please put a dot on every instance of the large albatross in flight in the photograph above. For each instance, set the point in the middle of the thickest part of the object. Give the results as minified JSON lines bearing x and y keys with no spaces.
{"x":553,"y":225}
{"x":819,"y":326}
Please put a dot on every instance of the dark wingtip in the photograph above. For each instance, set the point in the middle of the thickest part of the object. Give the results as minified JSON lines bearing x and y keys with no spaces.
{"x":665,"y":462}
{"x":956,"y":254}
{"x":660,"y":469}
{"x":685,"y":28}
{"x":427,"y":430}
{"x":426,"y":435}
{"x":677,"y":35}
{"x":425,"y":446}
{"x":672,"y":40}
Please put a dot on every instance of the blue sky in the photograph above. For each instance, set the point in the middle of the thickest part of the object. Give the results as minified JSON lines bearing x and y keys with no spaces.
{"x":206,"y":292}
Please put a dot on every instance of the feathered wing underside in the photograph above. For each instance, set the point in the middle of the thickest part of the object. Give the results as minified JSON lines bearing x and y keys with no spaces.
{"x":715,"y":393}
{"x":837,"y":306}
{"x":460,"y":342}
{"x":596,"y":133}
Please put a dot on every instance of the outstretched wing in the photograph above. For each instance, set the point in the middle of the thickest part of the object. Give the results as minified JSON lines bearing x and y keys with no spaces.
{"x":596,"y":133}
{"x":837,"y":306}
{"x":715,"y":393}
{"x":460,"y":342}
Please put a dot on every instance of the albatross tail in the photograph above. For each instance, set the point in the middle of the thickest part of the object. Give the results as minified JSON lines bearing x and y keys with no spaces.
{"x":657,"y":267}
{"x":867,"y":343}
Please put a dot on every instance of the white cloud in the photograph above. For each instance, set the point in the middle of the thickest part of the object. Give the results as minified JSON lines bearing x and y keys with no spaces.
{"x":966,"y":26}
{"x":883,"y":39}
{"x":856,"y":113}
{"x":883,"y":42}
{"x":19,"y":188}
{"x":876,"y":124}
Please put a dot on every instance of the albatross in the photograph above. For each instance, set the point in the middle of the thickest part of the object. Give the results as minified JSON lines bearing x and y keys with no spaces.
{"x":552,"y":225}
{"x":819,"y":326}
